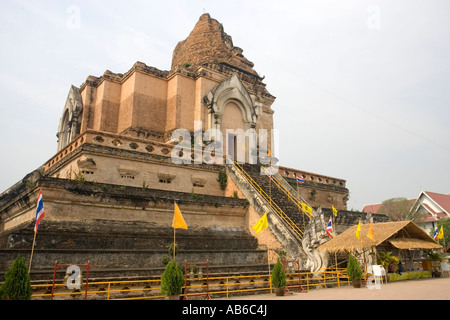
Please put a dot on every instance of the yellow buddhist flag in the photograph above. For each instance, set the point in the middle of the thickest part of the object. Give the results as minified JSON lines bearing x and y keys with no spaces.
{"x":261,"y":224}
{"x":358,"y":229}
{"x":334,"y":211}
{"x":441,"y":233}
{"x":370,"y":234}
{"x":306,"y":208}
{"x":178,"y":220}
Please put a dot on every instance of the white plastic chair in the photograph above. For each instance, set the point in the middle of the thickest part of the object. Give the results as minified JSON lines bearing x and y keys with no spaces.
{"x":445,"y":267}
{"x":379,"y":272}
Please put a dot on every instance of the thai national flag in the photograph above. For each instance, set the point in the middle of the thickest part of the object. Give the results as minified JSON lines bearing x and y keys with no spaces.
{"x":39,"y":212}
{"x":436,"y":233}
{"x":300,"y":180}
{"x":329,"y":229}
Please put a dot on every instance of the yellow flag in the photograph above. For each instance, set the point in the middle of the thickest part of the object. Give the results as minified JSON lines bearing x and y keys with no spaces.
{"x":178,"y":220}
{"x":441,"y":233}
{"x":370,"y":234}
{"x":358,"y":229}
{"x":334,"y":211}
{"x":261,"y":224}
{"x":306,"y":208}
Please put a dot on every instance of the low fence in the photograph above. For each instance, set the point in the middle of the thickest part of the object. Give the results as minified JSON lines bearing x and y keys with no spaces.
{"x":196,"y":289}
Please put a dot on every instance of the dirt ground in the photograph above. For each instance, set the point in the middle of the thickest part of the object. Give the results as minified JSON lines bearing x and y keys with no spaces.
{"x":422,"y":289}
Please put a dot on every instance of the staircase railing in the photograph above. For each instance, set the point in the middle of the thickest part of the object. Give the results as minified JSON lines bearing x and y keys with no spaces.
{"x":274,"y":206}
{"x":291,"y":197}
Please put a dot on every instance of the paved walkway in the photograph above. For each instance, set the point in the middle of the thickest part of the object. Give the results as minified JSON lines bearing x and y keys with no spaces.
{"x":422,"y":289}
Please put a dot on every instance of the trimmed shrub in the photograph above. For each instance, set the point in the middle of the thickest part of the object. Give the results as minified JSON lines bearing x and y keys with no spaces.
{"x":17,"y":285}
{"x":172,"y":279}
{"x":354,"y":271}
{"x":278,"y":275}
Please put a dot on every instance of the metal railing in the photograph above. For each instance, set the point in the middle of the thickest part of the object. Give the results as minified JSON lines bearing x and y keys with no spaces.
{"x":274,"y":206}
{"x":290,"y":196}
{"x":217,"y":286}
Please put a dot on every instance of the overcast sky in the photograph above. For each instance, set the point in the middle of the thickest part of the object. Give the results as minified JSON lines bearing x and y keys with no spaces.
{"x":362,"y":87}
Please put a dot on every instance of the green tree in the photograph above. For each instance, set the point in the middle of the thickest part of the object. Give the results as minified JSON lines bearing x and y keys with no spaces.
{"x":17,"y":285}
{"x":399,"y":209}
{"x":386,"y":258}
{"x":172,"y":279}
{"x":278,"y":275}
{"x":354,"y":271}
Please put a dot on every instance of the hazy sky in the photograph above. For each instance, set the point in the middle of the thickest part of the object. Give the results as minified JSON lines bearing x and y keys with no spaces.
{"x":362,"y":87}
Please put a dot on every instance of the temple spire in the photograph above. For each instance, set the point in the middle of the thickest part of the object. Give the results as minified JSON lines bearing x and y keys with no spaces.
{"x":209,"y":43}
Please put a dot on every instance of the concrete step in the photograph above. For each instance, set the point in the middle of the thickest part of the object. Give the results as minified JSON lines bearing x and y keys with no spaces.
{"x":278,"y":196}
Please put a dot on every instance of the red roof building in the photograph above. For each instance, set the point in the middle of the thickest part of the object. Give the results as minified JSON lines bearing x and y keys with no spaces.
{"x":372,"y":208}
{"x":436,"y":206}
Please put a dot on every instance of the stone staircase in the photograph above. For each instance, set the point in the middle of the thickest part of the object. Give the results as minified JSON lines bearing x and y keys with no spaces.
{"x":286,"y":222}
{"x":287,"y":200}
{"x":299,"y":233}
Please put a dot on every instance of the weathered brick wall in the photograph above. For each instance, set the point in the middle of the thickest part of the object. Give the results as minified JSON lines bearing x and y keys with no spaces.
{"x":323,"y":195}
{"x":346,"y":219}
{"x":127,"y":229}
{"x":136,"y":169}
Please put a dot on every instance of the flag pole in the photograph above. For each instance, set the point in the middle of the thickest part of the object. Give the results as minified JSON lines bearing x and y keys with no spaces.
{"x":268,"y":264}
{"x":443,"y":237}
{"x":174,"y":244}
{"x":332,"y":222}
{"x":270,"y":190}
{"x":260,"y":225}
{"x":40,"y":213}
{"x":335,"y":261}
{"x":363,"y":256}
{"x":174,"y":229}
{"x":177,"y":223}
{"x":32,"y":251}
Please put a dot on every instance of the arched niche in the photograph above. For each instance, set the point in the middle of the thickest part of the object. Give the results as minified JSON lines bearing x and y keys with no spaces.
{"x":232,"y":108}
{"x":230,"y":91}
{"x":69,"y":126}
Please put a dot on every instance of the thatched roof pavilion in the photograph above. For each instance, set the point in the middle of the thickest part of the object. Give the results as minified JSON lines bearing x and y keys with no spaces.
{"x":401,"y":235}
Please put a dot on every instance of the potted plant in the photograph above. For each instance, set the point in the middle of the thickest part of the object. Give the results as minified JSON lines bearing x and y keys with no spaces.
{"x":279,"y":279}
{"x":17,"y":285}
{"x":354,"y":271}
{"x":388,"y":261}
{"x":435,"y":258}
{"x":172,"y":281}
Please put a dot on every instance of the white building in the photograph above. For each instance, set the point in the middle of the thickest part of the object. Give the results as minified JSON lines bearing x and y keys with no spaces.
{"x":436,"y":206}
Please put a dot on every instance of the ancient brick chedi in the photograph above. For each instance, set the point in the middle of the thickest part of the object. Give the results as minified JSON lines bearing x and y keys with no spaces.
{"x":110,"y":189}
{"x":150,"y":103}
